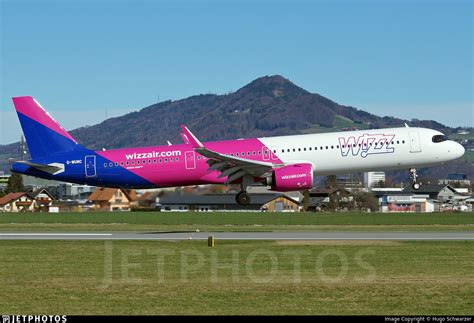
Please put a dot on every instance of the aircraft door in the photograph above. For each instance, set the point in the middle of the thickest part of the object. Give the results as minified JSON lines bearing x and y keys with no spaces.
{"x":190,"y":160}
{"x":415,"y":146}
{"x":266,"y":153}
{"x":90,"y":166}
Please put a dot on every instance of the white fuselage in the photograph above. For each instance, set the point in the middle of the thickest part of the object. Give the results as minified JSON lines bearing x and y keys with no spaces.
{"x":364,"y":150}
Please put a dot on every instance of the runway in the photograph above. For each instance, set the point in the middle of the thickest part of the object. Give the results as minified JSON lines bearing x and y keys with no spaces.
{"x":170,"y":236}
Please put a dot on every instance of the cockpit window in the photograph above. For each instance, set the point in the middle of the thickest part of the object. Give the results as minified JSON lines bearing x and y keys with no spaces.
{"x":439,"y":138}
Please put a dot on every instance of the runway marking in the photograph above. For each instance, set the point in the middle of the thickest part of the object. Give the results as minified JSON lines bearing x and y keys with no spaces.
{"x":55,"y":234}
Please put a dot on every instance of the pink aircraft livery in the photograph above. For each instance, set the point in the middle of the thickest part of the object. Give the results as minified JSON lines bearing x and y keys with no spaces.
{"x":286,"y":163}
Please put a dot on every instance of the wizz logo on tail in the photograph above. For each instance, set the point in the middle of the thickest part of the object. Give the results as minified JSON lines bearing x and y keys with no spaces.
{"x":367,"y":144}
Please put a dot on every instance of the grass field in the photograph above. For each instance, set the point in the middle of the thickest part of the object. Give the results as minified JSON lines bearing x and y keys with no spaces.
{"x":230,"y":221}
{"x":126,"y":277}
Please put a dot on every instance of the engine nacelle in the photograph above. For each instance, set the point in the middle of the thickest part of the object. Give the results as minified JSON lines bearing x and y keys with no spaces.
{"x":294,"y":177}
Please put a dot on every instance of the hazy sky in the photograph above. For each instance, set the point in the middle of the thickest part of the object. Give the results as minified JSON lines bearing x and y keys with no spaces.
{"x":81,"y":58}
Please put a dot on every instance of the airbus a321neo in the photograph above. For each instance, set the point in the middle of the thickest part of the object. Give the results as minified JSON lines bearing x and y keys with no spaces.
{"x":285,"y":163}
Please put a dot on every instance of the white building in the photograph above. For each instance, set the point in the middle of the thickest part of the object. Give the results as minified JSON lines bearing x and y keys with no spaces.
{"x":372,"y":179}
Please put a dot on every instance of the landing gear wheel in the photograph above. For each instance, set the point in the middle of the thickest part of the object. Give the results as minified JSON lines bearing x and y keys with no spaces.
{"x":413,"y":177}
{"x":243,"y":198}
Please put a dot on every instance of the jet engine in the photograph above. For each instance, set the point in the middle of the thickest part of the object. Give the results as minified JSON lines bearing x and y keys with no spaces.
{"x":294,"y":177}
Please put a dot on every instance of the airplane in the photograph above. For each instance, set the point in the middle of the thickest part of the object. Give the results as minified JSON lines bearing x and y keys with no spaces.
{"x":284,"y":163}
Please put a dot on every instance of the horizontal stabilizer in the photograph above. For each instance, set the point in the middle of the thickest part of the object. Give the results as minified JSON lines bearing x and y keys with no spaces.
{"x":53,"y":169}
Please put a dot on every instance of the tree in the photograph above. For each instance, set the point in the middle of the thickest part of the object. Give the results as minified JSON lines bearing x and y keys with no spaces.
{"x":366,"y":201}
{"x":15,"y":184}
{"x":331,"y":181}
{"x":306,"y":200}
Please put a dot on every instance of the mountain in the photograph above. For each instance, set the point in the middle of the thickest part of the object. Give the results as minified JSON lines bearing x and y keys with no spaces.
{"x":268,"y":106}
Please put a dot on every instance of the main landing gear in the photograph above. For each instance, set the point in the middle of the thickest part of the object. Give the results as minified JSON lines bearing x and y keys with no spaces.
{"x":413,"y":176}
{"x":243,"y":198}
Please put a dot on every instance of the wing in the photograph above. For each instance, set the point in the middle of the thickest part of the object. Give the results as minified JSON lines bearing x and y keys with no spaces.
{"x":229,"y":166}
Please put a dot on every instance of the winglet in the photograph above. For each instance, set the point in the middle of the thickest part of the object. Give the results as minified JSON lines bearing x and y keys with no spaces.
{"x":193,"y":141}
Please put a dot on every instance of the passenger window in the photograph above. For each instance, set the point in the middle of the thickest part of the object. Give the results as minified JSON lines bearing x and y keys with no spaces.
{"x":166,"y":160}
{"x":110,"y":164}
{"x":160,"y":160}
{"x":105,"y":164}
{"x":138,"y":162}
{"x":121,"y":163}
{"x":128,"y":163}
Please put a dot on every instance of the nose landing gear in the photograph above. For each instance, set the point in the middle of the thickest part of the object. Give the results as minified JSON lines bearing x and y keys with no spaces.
{"x":413,"y":177}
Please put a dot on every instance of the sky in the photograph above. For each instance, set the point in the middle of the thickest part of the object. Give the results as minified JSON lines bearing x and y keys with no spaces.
{"x":86,"y":60}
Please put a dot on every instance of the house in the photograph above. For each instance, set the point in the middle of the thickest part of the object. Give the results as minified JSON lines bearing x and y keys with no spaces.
{"x":148,"y":200}
{"x":38,"y":200}
{"x":113,"y":199}
{"x":442,"y":193}
{"x":264,"y":202}
{"x":43,"y":199}
{"x":334,"y":198}
{"x":429,"y":198}
{"x":395,"y":200}
{"x":16,"y":202}
{"x":295,"y":195}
